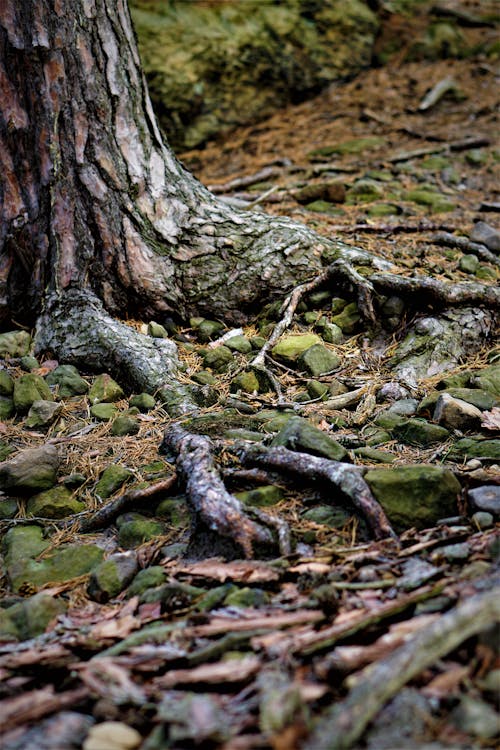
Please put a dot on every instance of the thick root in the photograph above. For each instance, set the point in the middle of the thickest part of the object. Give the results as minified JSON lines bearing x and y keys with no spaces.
{"x":212,"y":507}
{"x":78,"y":331}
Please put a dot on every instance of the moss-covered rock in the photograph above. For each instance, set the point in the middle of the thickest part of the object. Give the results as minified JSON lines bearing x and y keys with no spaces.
{"x":174,"y":511}
{"x":316,"y":389}
{"x":105,"y":389}
{"x":318,"y":360}
{"x":299,"y":435}
{"x":32,"y":616}
{"x":157,"y":331}
{"x":325,"y":515}
{"x":143,"y":401}
{"x":33,"y":469}
{"x":419,"y":432}
{"x":112,"y":478}
{"x":214,"y":66}
{"x":376,"y":456}
{"x":103,"y":412}
{"x":21,"y":542}
{"x":64,"y":564}
{"x":133,"y":533}
{"x":436,"y":202}
{"x":58,"y":502}
{"x":218,"y":359}
{"x":124,"y":425}
{"x":207,"y":330}
{"x":6,"y":408}
{"x":68,"y":380}
{"x":239,"y":344}
{"x":261,"y":496}
{"x":289,"y":348}
{"x":246,"y":382}
{"x":246,"y":597}
{"x":351,"y":146}
{"x":364,"y":191}
{"x":6,"y":384}
{"x":488,"y":379}
{"x":415,"y":495}
{"x":349,"y":319}
{"x":14,"y":344}
{"x":476,"y":448}
{"x":147,"y":579}
{"x":111,"y":576}
{"x":8,"y":508}
{"x":29,"y":388}
{"x":43,"y":414}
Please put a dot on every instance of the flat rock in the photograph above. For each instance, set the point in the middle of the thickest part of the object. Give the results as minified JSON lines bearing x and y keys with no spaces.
{"x":299,"y":435}
{"x":486,"y":498}
{"x":456,"y":414}
{"x":419,"y":432}
{"x":485,"y":234}
{"x":32,"y":469}
{"x":289,"y":348}
{"x":57,"y":502}
{"x":63,"y":564}
{"x":318,"y":360}
{"x":415,"y":495}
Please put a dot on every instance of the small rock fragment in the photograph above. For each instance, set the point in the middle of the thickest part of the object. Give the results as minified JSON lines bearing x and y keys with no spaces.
{"x":487,"y":235}
{"x":485,"y":498}
{"x":456,"y":414}
{"x":112,"y":735}
{"x":32,"y":469}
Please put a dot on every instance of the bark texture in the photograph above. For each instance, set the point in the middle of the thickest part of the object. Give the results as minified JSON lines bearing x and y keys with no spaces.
{"x":93,"y":198}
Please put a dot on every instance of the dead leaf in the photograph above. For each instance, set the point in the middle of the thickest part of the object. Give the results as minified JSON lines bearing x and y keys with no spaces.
{"x":491,"y":419}
{"x":112,"y":735}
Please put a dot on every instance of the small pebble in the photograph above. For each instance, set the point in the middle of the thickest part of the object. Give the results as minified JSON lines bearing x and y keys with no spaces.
{"x":473,"y":463}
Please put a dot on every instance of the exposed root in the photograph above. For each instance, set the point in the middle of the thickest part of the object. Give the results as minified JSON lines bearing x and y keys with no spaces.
{"x":77,"y":329}
{"x":342,"y":476}
{"x":212,"y":506}
{"x":435,"y":290}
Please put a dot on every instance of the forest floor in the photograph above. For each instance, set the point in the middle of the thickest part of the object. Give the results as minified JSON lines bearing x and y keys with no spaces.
{"x":345,"y":641}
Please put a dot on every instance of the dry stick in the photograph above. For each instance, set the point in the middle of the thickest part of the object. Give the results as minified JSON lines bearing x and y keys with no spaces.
{"x":109,"y":512}
{"x":345,"y":722}
{"x":207,"y":496}
{"x":467,"y":246}
{"x":338,"y":268}
{"x":343,"y":476}
{"x":455,"y":294}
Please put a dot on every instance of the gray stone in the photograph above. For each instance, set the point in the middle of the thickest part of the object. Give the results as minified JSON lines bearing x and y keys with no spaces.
{"x":69,"y":381}
{"x":485,"y":234}
{"x":454,"y":552}
{"x":28,"y":389}
{"x":43,"y":413}
{"x":112,"y":576}
{"x":456,"y":414}
{"x":58,"y":502}
{"x":103,"y":412}
{"x":405,"y":407}
{"x":415,"y":495}
{"x":32,"y":469}
{"x":218,"y":359}
{"x":476,"y":717}
{"x":14,"y":344}
{"x":419,"y":432}
{"x":299,"y":435}
{"x":486,"y":498}
{"x":318,"y":360}
{"x":143,"y":401}
{"x":482,"y":519}
{"x":392,"y":391}
{"x":124,"y":425}
{"x":112,"y":478}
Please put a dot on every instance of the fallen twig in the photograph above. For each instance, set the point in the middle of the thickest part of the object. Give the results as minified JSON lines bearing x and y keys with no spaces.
{"x":342,"y":476}
{"x":344,"y":723}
